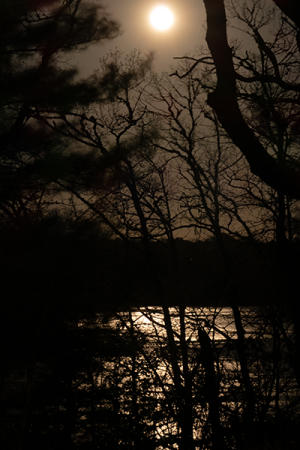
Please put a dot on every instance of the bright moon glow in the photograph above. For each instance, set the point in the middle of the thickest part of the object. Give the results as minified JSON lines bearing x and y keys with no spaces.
{"x":161,"y":18}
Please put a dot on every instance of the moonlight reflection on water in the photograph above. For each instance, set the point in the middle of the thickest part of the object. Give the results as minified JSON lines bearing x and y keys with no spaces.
{"x":218,"y":321}
{"x":158,"y":370}
{"x":197,"y":357}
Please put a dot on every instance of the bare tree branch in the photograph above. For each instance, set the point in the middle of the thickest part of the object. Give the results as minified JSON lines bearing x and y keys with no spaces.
{"x":283,"y":178}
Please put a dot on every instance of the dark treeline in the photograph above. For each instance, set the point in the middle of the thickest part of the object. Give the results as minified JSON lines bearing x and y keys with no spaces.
{"x":79,"y":265}
{"x":149,"y":252}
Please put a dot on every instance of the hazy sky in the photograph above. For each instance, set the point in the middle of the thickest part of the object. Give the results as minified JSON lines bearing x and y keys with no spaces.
{"x":186,"y":35}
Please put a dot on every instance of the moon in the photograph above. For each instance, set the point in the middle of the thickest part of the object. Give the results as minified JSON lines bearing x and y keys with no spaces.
{"x":161,"y":18}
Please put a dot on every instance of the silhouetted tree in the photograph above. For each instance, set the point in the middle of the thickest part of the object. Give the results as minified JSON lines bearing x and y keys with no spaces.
{"x":207,"y":166}
{"x":35,"y":38}
{"x":281,"y":176}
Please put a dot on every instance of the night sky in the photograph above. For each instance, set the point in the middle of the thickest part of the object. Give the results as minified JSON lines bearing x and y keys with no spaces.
{"x":186,"y":36}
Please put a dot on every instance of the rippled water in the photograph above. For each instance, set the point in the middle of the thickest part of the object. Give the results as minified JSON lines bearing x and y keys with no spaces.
{"x":217,"y":321}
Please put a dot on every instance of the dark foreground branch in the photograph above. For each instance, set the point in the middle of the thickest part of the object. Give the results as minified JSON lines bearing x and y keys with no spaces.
{"x":283,"y":178}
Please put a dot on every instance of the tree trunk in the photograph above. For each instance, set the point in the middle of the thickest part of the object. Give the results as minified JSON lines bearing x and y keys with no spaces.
{"x":212,"y":391}
{"x":283,"y":178}
{"x":250,"y":400}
